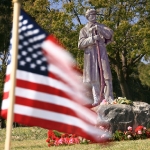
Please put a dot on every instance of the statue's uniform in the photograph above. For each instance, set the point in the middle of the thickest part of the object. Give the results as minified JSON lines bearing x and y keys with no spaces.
{"x":91,"y":66}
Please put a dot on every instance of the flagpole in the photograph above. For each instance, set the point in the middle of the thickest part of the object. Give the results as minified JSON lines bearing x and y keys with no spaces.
{"x":10,"y":116}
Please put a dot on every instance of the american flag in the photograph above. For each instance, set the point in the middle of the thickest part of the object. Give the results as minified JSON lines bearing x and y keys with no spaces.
{"x":48,"y":93}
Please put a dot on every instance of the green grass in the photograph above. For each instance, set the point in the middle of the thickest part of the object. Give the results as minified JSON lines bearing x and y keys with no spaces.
{"x":25,"y":133}
{"x":33,"y":138}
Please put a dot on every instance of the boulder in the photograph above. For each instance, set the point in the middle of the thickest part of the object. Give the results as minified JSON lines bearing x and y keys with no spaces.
{"x":120,"y":116}
{"x":141,"y":113}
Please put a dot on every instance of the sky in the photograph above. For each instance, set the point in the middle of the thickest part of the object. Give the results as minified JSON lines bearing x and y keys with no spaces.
{"x":59,"y":7}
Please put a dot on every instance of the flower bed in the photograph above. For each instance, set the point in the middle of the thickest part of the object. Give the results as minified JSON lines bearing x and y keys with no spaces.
{"x":56,"y":138}
{"x":140,"y":132}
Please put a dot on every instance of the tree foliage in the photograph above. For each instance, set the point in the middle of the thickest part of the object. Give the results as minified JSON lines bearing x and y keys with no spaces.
{"x":5,"y":28}
{"x":144,"y":73}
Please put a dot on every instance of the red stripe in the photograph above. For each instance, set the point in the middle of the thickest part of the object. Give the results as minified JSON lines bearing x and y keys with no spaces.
{"x":5,"y":95}
{"x":7,"y":78}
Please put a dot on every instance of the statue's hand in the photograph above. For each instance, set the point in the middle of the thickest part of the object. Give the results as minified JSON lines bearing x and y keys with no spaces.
{"x":96,"y":37}
{"x":93,"y":28}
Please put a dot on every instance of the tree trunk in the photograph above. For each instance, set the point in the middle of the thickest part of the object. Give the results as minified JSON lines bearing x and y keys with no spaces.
{"x":123,"y":83}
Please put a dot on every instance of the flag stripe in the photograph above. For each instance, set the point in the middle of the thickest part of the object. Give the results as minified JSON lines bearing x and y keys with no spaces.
{"x":7,"y":78}
{"x":5,"y":95}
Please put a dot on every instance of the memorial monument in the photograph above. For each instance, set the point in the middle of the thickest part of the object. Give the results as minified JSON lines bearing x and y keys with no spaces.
{"x":93,"y":39}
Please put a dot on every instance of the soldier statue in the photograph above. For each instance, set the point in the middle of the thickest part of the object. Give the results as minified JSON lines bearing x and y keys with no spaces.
{"x":91,"y":36}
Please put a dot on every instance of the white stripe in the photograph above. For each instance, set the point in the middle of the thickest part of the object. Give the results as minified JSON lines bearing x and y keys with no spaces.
{"x":7,"y":86}
{"x":5,"y":104}
{"x":9,"y":69}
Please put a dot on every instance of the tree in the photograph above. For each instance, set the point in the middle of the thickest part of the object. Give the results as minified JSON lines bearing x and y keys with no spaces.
{"x":5,"y":28}
{"x":39,"y":11}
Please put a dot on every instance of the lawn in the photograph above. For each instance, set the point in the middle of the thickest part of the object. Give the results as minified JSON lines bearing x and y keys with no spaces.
{"x":33,"y":138}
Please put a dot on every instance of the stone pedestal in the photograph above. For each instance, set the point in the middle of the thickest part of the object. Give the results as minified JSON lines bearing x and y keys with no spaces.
{"x":120,"y":116}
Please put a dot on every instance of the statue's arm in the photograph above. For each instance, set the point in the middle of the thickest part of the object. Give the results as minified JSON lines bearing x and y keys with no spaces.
{"x":106,"y":32}
{"x":84,"y":40}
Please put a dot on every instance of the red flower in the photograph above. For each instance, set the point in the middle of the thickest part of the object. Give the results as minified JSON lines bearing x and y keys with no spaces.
{"x":148,"y":134}
{"x":61,"y":141}
{"x":56,"y":143}
{"x":76,"y":140}
{"x":139,"y":128}
{"x":64,"y":135}
{"x":66,"y":140}
{"x":71,"y":140}
{"x":48,"y":140}
{"x":73,"y":135}
{"x":50,"y":134}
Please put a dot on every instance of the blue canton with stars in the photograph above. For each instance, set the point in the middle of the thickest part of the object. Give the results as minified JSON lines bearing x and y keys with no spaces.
{"x":31,"y":36}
